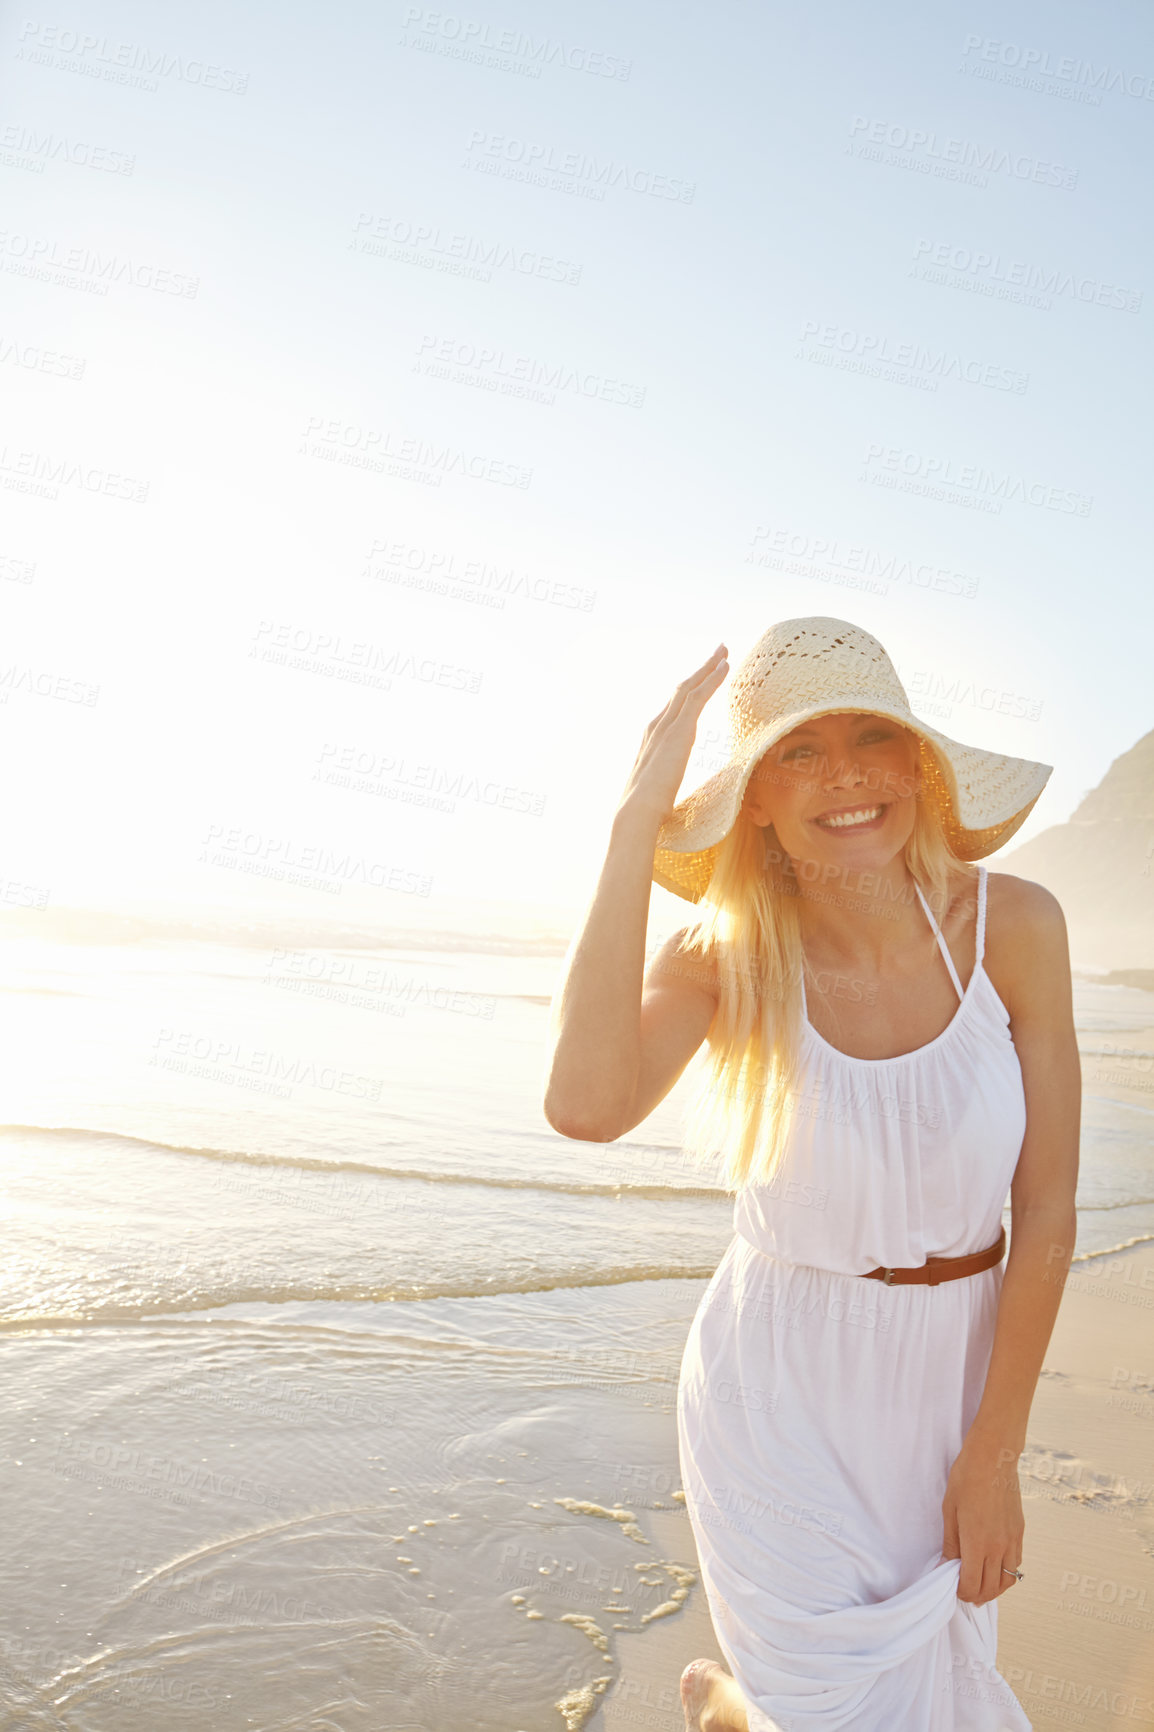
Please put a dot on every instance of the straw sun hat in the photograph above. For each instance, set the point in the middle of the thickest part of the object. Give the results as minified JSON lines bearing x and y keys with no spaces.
{"x":803,"y":668}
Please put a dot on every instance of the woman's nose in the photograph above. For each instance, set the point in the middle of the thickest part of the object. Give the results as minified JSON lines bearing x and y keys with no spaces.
{"x":842,"y":772}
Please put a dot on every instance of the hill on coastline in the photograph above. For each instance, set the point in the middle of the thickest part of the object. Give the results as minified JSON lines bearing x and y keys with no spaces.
{"x":1100,"y":866}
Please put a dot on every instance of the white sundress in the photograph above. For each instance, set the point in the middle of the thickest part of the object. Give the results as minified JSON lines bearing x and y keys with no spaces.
{"x":818,"y":1417}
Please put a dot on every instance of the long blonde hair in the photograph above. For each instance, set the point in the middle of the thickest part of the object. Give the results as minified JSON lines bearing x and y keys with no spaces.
{"x":748,"y":933}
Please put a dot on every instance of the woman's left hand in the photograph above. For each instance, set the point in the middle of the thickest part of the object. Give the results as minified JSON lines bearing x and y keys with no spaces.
{"x":983,"y":1521}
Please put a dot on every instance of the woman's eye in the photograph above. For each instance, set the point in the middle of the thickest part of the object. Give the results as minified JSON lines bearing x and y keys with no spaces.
{"x":871,"y":737}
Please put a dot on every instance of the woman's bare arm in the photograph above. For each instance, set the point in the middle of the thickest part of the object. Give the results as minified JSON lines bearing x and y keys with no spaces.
{"x":627,"y":1043}
{"x":1043,"y":1217}
{"x":983,"y":1516}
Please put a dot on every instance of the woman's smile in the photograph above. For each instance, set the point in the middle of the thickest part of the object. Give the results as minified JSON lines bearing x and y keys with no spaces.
{"x":852,"y":819}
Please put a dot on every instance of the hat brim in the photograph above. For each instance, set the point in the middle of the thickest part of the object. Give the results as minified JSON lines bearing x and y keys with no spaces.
{"x":982,"y":797}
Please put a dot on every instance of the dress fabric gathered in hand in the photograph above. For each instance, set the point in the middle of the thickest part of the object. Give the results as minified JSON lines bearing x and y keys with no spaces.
{"x":819,"y":1414}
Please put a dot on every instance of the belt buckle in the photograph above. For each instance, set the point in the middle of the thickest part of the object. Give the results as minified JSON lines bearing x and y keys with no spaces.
{"x":888,"y":1277}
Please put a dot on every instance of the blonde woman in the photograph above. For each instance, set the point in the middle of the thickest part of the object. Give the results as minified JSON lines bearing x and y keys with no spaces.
{"x":891,"y":1051}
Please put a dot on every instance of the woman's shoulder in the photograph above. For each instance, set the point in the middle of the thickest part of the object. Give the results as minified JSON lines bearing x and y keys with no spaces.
{"x":1019,"y":902}
{"x":1026,"y":937}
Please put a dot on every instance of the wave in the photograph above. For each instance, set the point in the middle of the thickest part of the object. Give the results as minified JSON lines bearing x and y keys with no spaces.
{"x":1125,"y":1106}
{"x":1112,"y":1250}
{"x":410,"y":1293}
{"x":318,"y":1164}
{"x":1140,"y":978}
{"x":1108,"y":1208}
{"x":490,"y":1181}
{"x":356,"y":1293}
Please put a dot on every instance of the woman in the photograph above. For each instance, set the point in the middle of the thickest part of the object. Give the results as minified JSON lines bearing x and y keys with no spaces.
{"x":857,"y":1380}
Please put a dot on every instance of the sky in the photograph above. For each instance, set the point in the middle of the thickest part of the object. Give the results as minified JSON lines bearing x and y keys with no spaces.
{"x":398,"y":403}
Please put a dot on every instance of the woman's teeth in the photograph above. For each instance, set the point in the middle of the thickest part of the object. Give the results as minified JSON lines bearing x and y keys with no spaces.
{"x":849,"y":820}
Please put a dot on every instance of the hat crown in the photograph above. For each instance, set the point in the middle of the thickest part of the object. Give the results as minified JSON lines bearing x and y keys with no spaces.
{"x":800,"y":663}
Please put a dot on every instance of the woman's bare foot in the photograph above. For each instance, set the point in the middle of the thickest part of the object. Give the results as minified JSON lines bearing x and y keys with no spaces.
{"x":711,"y":1699}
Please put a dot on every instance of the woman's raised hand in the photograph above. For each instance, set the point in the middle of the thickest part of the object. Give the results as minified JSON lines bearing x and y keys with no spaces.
{"x":665,"y":749}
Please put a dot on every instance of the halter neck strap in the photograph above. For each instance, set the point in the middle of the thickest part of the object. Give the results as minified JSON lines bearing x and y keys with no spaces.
{"x":942,"y":945}
{"x":979,"y":937}
{"x":979,"y":931}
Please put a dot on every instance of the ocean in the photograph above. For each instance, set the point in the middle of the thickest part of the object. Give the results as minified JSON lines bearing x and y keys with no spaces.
{"x":339,"y":1387}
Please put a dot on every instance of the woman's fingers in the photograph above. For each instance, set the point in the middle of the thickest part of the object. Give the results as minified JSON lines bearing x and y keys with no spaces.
{"x":708,"y":674}
{"x":970,"y":1577}
{"x":690,"y":697}
{"x":1006,"y":1580}
{"x":714,"y":668}
{"x":983,"y":1576}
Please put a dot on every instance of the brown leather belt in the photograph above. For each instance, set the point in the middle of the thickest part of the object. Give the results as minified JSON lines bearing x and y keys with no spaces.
{"x":936,"y":1269}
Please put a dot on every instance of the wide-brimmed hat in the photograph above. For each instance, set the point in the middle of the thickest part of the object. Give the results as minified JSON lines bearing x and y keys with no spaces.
{"x":803,"y":668}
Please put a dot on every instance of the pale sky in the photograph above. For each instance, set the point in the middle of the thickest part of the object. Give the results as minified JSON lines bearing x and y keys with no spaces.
{"x":419,"y":396}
